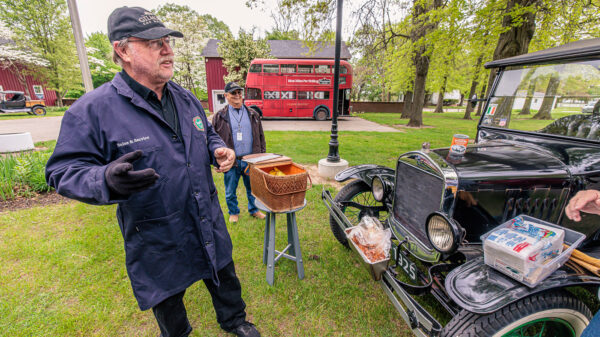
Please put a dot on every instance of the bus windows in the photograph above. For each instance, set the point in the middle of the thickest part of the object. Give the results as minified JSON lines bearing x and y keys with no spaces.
{"x":321,"y":94}
{"x":253,"y":93}
{"x":271,"y":94}
{"x":271,"y":68}
{"x":342,"y":80}
{"x":288,"y":68}
{"x":255,"y":68}
{"x":288,"y":95}
{"x":322,"y":69}
{"x":343,"y":70}
{"x":305,"y":95}
{"x":305,"y":69}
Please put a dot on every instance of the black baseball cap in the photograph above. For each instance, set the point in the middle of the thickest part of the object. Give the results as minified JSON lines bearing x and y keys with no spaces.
{"x":137,"y":22}
{"x":232,"y":86}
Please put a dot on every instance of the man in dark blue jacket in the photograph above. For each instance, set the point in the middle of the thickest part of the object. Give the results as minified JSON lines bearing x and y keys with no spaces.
{"x":144,"y":142}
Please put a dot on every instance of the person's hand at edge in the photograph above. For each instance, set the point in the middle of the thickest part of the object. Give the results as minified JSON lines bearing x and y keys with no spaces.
{"x":225,"y":158}
{"x":587,"y":201}
{"x":121,"y":179}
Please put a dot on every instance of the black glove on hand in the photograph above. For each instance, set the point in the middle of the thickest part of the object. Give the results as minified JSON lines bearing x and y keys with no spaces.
{"x":122,"y":180}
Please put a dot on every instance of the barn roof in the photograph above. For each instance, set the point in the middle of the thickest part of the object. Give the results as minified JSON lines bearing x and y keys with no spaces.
{"x":289,"y":49}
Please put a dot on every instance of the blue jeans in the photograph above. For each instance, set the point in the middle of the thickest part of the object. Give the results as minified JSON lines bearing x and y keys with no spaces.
{"x":232,"y":178}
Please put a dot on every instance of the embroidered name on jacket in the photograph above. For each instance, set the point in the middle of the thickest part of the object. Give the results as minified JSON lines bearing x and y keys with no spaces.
{"x":132,"y":141}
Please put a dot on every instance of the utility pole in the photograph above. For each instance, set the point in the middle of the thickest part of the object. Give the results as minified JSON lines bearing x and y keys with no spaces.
{"x":77,"y":33}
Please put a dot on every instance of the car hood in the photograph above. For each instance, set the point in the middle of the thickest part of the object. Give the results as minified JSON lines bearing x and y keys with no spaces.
{"x":506,"y":163}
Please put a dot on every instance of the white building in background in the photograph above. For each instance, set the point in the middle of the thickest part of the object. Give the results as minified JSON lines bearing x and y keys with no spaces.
{"x":454,"y":94}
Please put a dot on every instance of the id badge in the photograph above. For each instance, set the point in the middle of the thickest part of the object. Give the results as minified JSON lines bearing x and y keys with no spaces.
{"x":239,"y":136}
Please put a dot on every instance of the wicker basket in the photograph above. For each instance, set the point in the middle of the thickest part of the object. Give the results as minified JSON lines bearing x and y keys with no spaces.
{"x":280,"y":193}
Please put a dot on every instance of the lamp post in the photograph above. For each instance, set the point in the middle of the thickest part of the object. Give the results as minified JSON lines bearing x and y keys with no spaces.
{"x":330,"y":166}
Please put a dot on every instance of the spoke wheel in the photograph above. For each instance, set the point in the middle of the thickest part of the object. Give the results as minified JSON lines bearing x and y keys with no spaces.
{"x":359,"y":193}
{"x":38,"y":110}
{"x":543,"y":327}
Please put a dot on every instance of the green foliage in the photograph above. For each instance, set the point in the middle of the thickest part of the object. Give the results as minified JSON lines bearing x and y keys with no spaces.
{"x":238,"y":52}
{"x":217,"y":28}
{"x":43,"y":26}
{"x":23,"y":174}
{"x":281,"y":35}
{"x":75,"y":93}
{"x":99,"y":51}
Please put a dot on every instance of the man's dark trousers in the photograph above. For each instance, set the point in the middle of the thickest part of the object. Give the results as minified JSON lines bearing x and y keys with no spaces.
{"x":227,"y":301}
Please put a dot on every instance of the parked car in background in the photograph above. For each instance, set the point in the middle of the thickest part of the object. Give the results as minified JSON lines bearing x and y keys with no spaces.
{"x":17,"y":101}
{"x":589,"y":107}
{"x":438,"y":204}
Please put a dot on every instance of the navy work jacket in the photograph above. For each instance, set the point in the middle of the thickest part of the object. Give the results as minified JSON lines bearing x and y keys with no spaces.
{"x":174,"y":232}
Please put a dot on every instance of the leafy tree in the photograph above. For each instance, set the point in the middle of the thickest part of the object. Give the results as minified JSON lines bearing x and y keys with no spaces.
{"x":282,"y":35}
{"x":17,"y":60}
{"x":189,"y":64}
{"x":44,"y":27}
{"x":217,"y":29}
{"x":99,"y":51}
{"x":238,"y":53}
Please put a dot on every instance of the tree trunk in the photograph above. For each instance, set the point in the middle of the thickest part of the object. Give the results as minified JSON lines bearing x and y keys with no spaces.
{"x":514,"y":41}
{"x":527,"y":104}
{"x":407,"y":109}
{"x":422,"y":25}
{"x":462,"y":99}
{"x":548,"y":102}
{"x":439,"y":107}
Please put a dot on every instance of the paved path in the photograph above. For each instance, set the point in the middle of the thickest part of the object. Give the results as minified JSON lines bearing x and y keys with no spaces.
{"x":41,"y":129}
{"x":47,"y":128}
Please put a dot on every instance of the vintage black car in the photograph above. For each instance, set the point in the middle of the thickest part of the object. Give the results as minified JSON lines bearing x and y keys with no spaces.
{"x":17,"y":101}
{"x":438,"y":204}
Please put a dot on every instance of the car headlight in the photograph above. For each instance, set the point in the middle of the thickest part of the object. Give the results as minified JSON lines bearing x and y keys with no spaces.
{"x":378,"y":189}
{"x":444,"y":235}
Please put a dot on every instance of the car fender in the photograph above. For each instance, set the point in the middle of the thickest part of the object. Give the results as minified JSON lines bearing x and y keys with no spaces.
{"x":366,"y":173}
{"x":478,"y":288}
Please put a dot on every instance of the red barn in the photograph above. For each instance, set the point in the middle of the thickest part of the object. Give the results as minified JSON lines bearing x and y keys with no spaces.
{"x":281,"y":49}
{"x":9,"y":81}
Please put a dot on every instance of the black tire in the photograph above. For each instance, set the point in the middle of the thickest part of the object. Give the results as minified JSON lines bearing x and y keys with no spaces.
{"x":257,"y":109}
{"x":555,"y":312}
{"x":359,"y":192}
{"x":38,"y":110}
{"x":321,"y":115}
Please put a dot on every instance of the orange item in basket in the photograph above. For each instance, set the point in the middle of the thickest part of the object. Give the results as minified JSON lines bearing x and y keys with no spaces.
{"x":372,"y":252}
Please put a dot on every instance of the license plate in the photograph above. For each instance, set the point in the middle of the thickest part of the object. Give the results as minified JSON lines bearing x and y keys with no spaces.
{"x":409,"y":267}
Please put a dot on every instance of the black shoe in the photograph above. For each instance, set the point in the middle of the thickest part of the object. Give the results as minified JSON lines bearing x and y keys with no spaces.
{"x":246,"y":329}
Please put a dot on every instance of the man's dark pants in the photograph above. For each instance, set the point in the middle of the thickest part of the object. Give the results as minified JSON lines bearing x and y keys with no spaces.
{"x":227,"y":300}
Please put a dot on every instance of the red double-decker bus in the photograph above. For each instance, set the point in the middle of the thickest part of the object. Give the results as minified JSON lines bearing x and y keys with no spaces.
{"x":297,"y":88}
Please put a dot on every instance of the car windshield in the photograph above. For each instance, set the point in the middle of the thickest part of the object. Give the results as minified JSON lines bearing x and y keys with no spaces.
{"x":554,"y":99}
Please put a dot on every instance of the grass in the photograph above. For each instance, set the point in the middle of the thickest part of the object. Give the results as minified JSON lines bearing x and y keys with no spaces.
{"x":50,"y":112}
{"x":62,"y":267}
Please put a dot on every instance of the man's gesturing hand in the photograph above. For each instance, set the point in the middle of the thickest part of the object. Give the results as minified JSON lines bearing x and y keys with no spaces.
{"x":122,"y":180}
{"x":225,"y":158}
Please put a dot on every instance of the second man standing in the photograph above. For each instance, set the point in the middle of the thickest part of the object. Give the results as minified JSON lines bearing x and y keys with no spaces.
{"x":241,"y":129}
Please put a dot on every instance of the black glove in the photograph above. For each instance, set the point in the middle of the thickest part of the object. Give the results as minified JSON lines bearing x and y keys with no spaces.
{"x":122,"y":180}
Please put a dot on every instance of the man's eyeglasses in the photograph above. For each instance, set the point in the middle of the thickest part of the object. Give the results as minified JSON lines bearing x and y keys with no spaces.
{"x":237,"y":93}
{"x":157,"y":44}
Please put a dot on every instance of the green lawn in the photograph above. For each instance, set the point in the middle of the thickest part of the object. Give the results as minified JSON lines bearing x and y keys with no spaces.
{"x":62,"y":266}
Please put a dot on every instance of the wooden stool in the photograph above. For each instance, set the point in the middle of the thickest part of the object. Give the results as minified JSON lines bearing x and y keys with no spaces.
{"x":293,"y":246}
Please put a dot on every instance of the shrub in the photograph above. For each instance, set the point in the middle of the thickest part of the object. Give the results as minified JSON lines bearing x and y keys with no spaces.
{"x":23,"y":174}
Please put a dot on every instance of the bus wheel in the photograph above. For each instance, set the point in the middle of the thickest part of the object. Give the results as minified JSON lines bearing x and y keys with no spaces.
{"x":321,"y":115}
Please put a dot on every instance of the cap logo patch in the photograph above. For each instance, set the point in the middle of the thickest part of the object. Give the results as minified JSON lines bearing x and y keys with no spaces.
{"x":198,"y":123}
{"x":148,"y":18}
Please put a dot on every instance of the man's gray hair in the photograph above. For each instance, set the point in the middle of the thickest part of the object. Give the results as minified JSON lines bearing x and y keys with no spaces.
{"x":116,"y":58}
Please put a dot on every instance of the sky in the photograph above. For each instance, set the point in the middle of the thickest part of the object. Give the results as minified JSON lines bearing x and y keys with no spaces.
{"x":94,"y":13}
